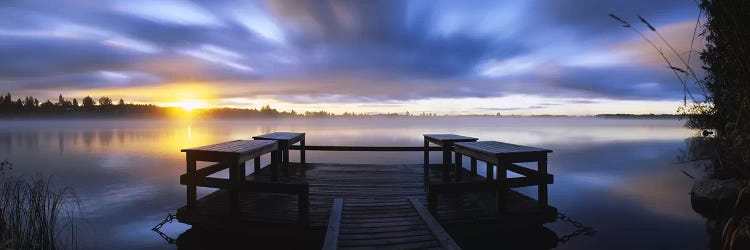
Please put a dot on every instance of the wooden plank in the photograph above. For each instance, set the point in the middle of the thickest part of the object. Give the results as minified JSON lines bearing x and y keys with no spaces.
{"x":376,"y":208}
{"x":362,"y":148}
{"x":442,"y":138}
{"x":254,"y":186}
{"x":381,"y":224}
{"x":406,"y":245}
{"x":386,"y":215}
{"x":445,"y":240}
{"x":386,"y":241}
{"x":383,"y":229}
{"x":233,"y":147}
{"x":334,"y":223}
{"x":363,"y":185}
{"x":376,"y":203}
{"x":495,"y":152}
{"x":517,"y":182}
{"x":370,"y":236}
{"x":211,"y":169}
{"x":410,"y":217}
{"x":290,"y":137}
{"x":498,"y":148}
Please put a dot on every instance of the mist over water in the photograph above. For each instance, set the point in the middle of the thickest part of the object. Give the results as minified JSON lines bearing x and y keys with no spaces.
{"x":619,"y":176}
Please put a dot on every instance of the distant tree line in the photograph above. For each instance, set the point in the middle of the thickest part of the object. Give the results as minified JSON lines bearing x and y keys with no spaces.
{"x":29,"y":106}
{"x":641,"y":116}
{"x":104,"y":106}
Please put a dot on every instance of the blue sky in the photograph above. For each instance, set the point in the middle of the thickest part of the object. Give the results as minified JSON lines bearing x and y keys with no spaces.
{"x":454,"y":57}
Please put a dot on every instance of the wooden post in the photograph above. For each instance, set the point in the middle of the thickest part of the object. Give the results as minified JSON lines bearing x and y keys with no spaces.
{"x":459,"y":166}
{"x":242,"y":171}
{"x":447,"y":148}
{"x":256,"y":162}
{"x":426,"y":158}
{"x":502,"y":176}
{"x":275,"y":165}
{"x":192,"y":196}
{"x":542,"y":189}
{"x":302,"y":151}
{"x":473,"y":166}
{"x":285,"y":164}
{"x":234,"y":194}
{"x":490,"y":168}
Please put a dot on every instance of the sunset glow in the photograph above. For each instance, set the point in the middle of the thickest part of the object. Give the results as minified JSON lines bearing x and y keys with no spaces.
{"x":189,"y":105}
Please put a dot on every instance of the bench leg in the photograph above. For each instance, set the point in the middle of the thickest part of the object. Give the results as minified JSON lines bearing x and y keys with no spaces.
{"x":459,"y":166}
{"x":302,"y":151}
{"x":473,"y":166}
{"x":234,"y":194}
{"x":242,"y":171}
{"x":285,"y":163}
{"x":256,"y":163}
{"x":490,"y":169}
{"x":502,"y":175}
{"x":446,"y":162}
{"x":426,"y":161}
{"x":275,"y":165}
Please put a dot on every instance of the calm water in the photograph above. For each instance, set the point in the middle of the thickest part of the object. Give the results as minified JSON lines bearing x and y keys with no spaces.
{"x":619,"y":176}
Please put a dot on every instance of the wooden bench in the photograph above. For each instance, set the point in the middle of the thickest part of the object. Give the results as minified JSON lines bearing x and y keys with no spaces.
{"x":504,"y":156}
{"x":398,"y":223}
{"x":445,"y":141}
{"x":232,"y":155}
{"x":285,"y":140}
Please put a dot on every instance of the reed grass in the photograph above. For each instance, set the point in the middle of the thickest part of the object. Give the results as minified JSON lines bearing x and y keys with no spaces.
{"x":34,"y":214}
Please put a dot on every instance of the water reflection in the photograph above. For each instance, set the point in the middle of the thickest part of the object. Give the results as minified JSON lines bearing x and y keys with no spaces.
{"x":616,"y":175}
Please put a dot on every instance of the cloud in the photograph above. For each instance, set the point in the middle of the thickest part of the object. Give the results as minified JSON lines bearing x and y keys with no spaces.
{"x":170,"y":11}
{"x":342,"y":51}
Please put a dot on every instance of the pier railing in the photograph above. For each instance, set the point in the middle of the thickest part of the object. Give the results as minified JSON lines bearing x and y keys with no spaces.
{"x":364,"y":148}
{"x":503,"y":159}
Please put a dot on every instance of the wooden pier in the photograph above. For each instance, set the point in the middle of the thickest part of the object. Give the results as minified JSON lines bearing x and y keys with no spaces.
{"x":397,"y":223}
{"x":300,"y":202}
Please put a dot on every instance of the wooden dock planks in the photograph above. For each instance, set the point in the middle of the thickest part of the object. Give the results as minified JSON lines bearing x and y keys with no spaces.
{"x":376,"y":183}
{"x":391,"y":223}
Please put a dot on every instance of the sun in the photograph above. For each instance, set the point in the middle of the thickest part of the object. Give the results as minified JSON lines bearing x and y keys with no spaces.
{"x":190,"y":105}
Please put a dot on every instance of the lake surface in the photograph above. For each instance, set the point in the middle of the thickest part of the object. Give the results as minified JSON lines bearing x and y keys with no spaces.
{"x":619,"y":176}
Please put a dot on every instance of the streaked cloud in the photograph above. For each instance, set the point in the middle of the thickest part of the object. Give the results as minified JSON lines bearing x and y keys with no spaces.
{"x":354,"y":54}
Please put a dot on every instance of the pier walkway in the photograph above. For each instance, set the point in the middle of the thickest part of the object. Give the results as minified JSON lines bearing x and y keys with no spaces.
{"x":366,"y":181}
{"x":397,"y":223}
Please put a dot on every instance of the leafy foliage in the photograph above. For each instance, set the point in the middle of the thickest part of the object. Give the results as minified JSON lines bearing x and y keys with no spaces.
{"x":727,"y":60}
